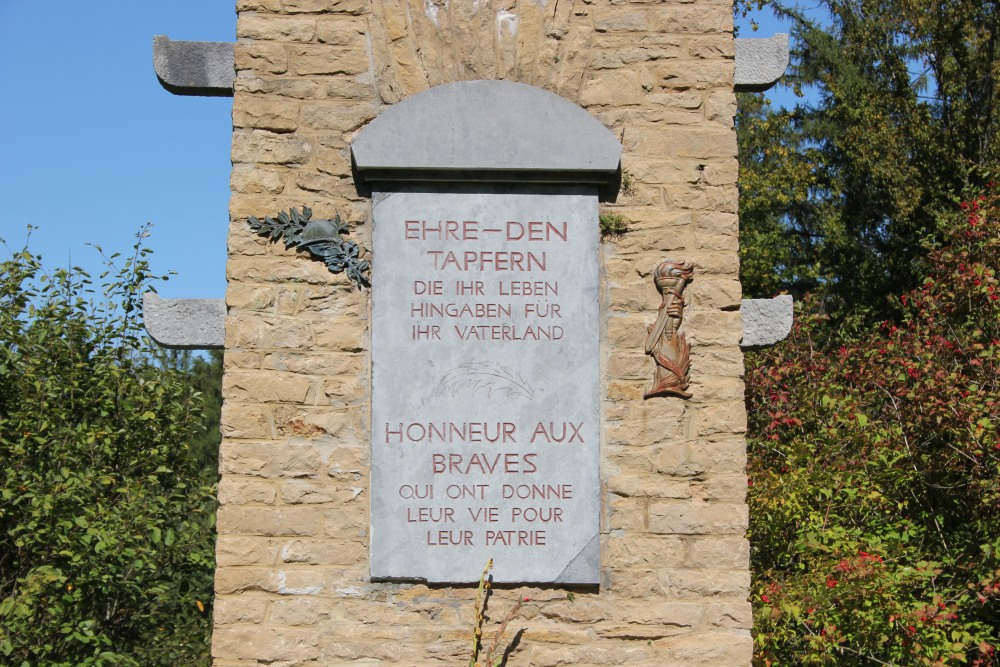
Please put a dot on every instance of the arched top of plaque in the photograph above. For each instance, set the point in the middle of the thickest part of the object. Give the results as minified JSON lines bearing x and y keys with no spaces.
{"x":488,"y":132}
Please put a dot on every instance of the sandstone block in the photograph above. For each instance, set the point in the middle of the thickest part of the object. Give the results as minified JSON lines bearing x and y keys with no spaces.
{"x":722,"y":552}
{"x":593,"y":654}
{"x":721,"y":107}
{"x":241,"y":491}
{"x":694,"y":74}
{"x":344,"y":391}
{"x":644,"y":434}
{"x":325,"y":6}
{"x":643,"y":552}
{"x":703,"y":583}
{"x":721,"y":46}
{"x":736,"y":615}
{"x":709,"y":388}
{"x":693,"y":18}
{"x":256,"y":331}
{"x":300,"y":491}
{"x":231,"y":550}
{"x":627,"y":513}
{"x":270,"y":459}
{"x":631,"y":583}
{"x":311,"y":181}
{"x":723,"y":488}
{"x":266,"y":387}
{"x":276,"y":114}
{"x":237,"y":580}
{"x":308,"y":60}
{"x":269,"y":148}
{"x":324,"y":551}
{"x":678,"y":142}
{"x":300,"y":89}
{"x":268,"y":644}
{"x":614,"y":19}
{"x":619,"y":87}
{"x":722,"y":172}
{"x":347,"y":463}
{"x":713,"y":327}
{"x":240,"y":359}
{"x":245,"y":421}
{"x":301,"y":581}
{"x":715,"y":648}
{"x":246,"y":178}
{"x":250,"y":297}
{"x":300,"y":611}
{"x":718,"y":242}
{"x":647,"y":485}
{"x":723,"y":418}
{"x":258,"y":58}
{"x":715,"y":293}
{"x":269,"y":521}
{"x":681,"y":615}
{"x":718,"y":361}
{"x":661,"y":171}
{"x":276,"y":28}
{"x":239,"y":609}
{"x":324,"y":364}
{"x":347,"y":336}
{"x":681,"y":518}
{"x":701,"y":197}
{"x":312,"y":423}
{"x":258,"y":5}
{"x":339,"y":116}
{"x":341,"y":31}
{"x":630,"y":365}
{"x":347,"y":522}
{"x":299,"y":269}
{"x":698,"y":457}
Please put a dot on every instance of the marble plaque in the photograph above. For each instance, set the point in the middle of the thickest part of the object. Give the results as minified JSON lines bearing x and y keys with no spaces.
{"x":485,"y":386}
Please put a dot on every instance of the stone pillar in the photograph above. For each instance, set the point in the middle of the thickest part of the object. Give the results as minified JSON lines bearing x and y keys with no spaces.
{"x":293,"y":581}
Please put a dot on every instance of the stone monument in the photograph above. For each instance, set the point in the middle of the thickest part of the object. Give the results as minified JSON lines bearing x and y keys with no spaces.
{"x":511,"y":386}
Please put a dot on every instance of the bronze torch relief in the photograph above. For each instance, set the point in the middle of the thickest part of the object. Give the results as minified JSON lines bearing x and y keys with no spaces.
{"x":664,"y":340}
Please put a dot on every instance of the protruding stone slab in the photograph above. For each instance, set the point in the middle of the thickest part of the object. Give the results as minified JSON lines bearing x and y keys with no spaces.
{"x":488,"y":131}
{"x":185,"y":324}
{"x":204,"y":69}
{"x":207,"y":68}
{"x":766,"y":321}
{"x":200,"y":323}
{"x":760,"y":62}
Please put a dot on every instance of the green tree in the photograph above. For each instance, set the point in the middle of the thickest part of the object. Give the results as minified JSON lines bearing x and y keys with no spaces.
{"x":106,"y":523}
{"x":875,"y":473}
{"x":843,"y":196}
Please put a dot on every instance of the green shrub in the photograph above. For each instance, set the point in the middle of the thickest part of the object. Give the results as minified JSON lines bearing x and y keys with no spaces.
{"x":106,"y":535}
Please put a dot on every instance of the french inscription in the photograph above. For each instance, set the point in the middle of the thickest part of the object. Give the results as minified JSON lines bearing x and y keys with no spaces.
{"x":485,"y":413}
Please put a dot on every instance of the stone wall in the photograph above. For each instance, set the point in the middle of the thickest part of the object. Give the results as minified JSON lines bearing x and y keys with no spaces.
{"x":292,"y":582}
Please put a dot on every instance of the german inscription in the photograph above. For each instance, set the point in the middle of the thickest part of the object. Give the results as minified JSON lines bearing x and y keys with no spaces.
{"x":485,"y":386}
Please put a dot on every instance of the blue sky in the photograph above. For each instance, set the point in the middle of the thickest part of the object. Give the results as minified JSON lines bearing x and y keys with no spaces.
{"x":94,"y":148}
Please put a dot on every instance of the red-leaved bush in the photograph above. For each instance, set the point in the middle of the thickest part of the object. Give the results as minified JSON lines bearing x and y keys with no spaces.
{"x":875,"y":473}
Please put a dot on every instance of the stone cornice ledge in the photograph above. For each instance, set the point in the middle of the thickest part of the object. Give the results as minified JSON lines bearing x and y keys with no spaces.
{"x":199,"y":324}
{"x":185,"y":324}
{"x":760,"y":62}
{"x":207,"y":68}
